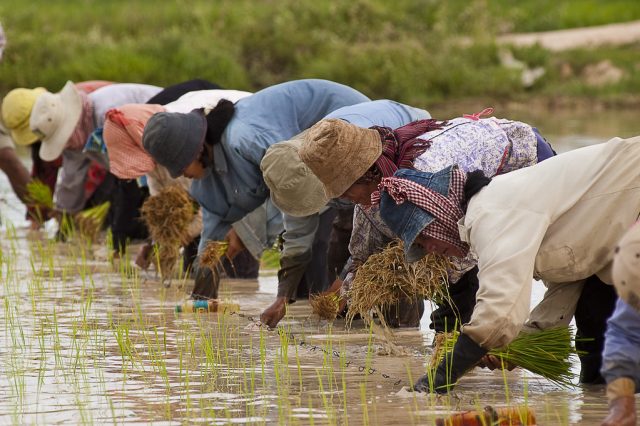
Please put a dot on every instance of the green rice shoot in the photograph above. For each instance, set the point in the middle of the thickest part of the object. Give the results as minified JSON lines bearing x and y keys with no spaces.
{"x":547,"y":353}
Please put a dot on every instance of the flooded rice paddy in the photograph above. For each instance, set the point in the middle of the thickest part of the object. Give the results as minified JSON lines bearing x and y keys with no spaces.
{"x":83,"y":341}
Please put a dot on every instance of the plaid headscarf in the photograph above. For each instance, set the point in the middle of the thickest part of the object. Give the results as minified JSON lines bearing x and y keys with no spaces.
{"x":402,"y":145}
{"x":446,"y":209}
{"x":123,"y":129}
{"x":84,"y":127}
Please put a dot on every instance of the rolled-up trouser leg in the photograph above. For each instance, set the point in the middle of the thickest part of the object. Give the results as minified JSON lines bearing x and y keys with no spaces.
{"x":595,"y":306}
{"x":206,"y":284}
{"x":339,"y":242}
{"x":244,"y":265}
{"x":316,"y":276}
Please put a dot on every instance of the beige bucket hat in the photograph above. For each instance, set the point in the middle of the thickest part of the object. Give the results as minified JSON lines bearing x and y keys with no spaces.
{"x":295,"y":190}
{"x":53,"y":119}
{"x":16,"y":112}
{"x":339,"y":153}
{"x":626,"y":267}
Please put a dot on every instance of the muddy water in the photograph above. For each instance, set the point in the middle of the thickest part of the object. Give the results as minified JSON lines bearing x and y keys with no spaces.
{"x":83,"y":342}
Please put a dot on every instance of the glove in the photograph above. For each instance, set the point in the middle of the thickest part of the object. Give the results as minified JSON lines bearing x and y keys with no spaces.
{"x":206,"y":284}
{"x":466,"y":354}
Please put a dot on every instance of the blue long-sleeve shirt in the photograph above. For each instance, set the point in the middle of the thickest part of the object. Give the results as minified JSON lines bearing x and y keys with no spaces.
{"x":233,"y":186}
{"x":621,"y":356}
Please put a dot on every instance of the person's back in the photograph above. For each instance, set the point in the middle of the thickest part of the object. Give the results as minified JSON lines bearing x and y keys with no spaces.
{"x":234,"y":186}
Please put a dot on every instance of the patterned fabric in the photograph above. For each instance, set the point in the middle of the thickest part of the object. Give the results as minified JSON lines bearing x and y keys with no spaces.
{"x":123,"y":130}
{"x":446,"y":209}
{"x":498,"y":145}
{"x":401,"y":146}
{"x":84,"y":127}
{"x":495,"y":146}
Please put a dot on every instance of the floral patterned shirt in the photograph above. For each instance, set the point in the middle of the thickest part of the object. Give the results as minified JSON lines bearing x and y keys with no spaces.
{"x":493,"y":145}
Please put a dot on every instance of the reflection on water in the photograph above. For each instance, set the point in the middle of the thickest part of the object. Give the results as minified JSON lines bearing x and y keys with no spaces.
{"x":82,"y":342}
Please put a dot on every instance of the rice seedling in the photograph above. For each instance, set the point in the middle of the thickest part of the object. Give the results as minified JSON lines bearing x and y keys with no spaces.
{"x":90,"y":221}
{"x":325,"y":306}
{"x":547,"y":353}
{"x":40,"y":198}
{"x":385,"y":279}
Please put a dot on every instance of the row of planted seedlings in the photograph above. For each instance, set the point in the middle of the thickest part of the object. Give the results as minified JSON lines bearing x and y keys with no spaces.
{"x":97,"y":330}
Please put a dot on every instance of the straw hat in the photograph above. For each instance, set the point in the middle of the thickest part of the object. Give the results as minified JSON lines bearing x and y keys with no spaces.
{"x":295,"y":190}
{"x":16,"y":111}
{"x":626,"y":268}
{"x":53,"y":119}
{"x":339,"y":153}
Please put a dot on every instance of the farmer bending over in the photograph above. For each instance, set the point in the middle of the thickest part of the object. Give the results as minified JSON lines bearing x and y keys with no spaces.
{"x":558,"y":221}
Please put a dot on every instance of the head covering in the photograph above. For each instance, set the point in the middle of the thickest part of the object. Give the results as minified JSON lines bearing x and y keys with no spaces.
{"x":400,"y":147}
{"x":123,"y":129}
{"x":626,"y":267}
{"x":295,"y":190}
{"x":413,"y":203}
{"x":54,"y":118}
{"x":84,"y":127}
{"x":16,"y":112}
{"x":175,"y":140}
{"x":338,"y":153}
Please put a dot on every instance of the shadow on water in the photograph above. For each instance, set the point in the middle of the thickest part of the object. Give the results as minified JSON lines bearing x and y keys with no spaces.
{"x":82,"y":342}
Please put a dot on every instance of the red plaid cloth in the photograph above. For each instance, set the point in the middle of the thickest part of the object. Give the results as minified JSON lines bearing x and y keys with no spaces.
{"x":402,"y":145}
{"x":446,"y":210}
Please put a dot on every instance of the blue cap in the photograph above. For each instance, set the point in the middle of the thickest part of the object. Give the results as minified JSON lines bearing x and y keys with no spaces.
{"x":407,"y":220}
{"x":174,"y":139}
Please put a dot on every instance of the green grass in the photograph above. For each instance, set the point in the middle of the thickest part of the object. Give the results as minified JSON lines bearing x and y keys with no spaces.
{"x":405,"y":50}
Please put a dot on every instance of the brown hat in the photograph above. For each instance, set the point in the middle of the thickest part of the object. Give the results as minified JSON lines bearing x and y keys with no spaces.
{"x":339,"y":153}
{"x":295,"y":190}
{"x":626,"y":267}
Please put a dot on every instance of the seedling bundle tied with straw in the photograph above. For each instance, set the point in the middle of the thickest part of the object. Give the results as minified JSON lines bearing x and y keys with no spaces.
{"x":168,"y":215}
{"x":385,"y":279}
{"x":40,"y":198}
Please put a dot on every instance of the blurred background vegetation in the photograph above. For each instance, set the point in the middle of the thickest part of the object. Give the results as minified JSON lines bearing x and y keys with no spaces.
{"x":420,"y":52}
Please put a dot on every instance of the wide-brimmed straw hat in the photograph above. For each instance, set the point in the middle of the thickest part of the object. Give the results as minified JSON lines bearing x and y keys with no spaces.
{"x":339,"y":153}
{"x":626,"y":268}
{"x":174,"y":139}
{"x":16,"y":113}
{"x":295,"y":190}
{"x":53,"y":119}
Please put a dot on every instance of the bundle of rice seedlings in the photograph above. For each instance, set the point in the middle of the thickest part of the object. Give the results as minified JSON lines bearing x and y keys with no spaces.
{"x":39,"y":194}
{"x":39,"y":198}
{"x":212,"y":253}
{"x":547,"y":353}
{"x":90,"y":221}
{"x":326,"y":306}
{"x":168,"y":215}
{"x":385,"y":279}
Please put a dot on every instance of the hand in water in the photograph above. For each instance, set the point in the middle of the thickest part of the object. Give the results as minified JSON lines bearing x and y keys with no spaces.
{"x":274,"y":313}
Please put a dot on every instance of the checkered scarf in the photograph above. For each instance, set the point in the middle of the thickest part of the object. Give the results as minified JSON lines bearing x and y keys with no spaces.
{"x":446,"y":210}
{"x":402,"y":145}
